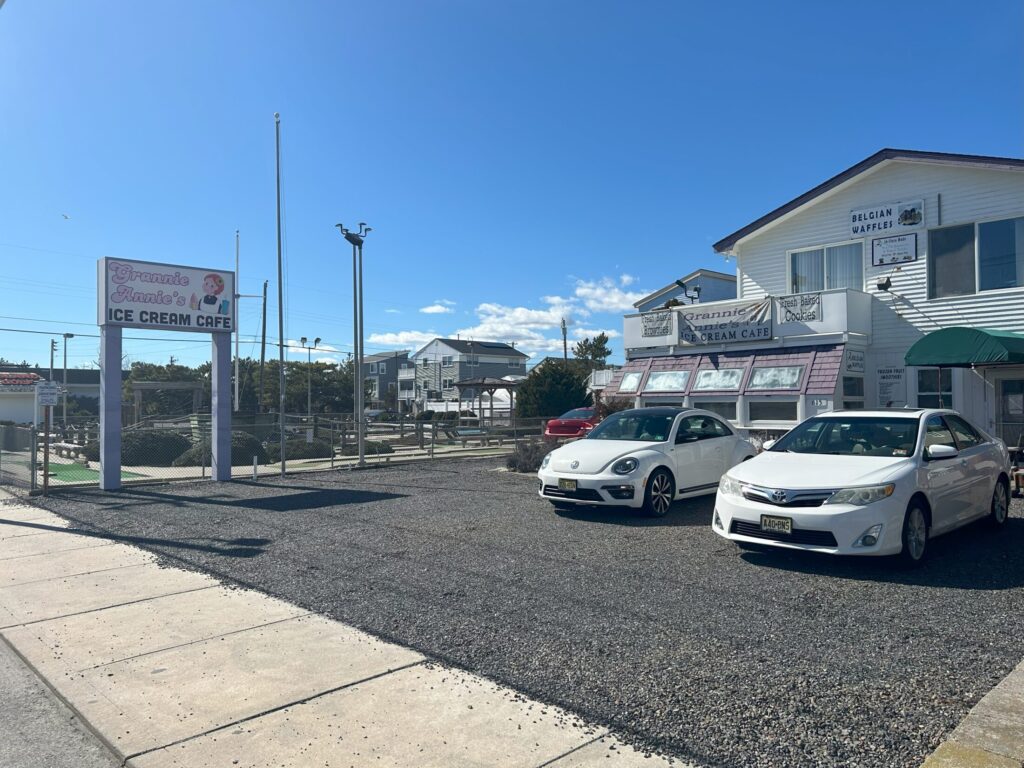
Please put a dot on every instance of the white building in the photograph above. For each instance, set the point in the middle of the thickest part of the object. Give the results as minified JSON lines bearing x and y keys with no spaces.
{"x":837,"y":285}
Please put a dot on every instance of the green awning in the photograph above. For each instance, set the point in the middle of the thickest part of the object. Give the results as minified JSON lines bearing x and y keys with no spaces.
{"x":967,"y":347}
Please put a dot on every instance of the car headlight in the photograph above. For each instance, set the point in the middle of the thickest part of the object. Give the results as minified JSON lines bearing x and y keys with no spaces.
{"x":547,"y":460}
{"x":859,"y":497}
{"x":625,"y":466}
{"x":730,"y":486}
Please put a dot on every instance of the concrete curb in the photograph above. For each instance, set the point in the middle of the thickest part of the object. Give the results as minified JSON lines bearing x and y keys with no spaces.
{"x":992,"y":734}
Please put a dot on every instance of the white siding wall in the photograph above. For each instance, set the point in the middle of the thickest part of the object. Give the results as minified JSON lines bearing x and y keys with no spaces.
{"x":905,"y":314}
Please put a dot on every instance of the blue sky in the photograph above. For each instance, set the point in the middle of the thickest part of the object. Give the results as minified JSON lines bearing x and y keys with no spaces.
{"x":518,"y":161}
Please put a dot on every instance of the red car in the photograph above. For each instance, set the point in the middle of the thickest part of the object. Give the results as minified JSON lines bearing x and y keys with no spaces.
{"x":576,"y":423}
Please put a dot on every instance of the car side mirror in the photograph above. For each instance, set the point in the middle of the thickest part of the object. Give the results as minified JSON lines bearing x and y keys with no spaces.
{"x":940,"y":452}
{"x":767,"y":445}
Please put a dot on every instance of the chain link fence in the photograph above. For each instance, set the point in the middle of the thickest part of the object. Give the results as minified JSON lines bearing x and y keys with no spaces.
{"x":179,"y":447}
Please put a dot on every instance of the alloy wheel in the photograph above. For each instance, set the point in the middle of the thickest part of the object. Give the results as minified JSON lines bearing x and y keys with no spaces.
{"x":917,"y":533}
{"x":661,"y":493}
{"x":1000,"y":506}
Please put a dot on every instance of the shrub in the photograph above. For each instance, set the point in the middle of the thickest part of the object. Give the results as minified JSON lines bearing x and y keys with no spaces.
{"x":528,"y":456}
{"x":425,"y":416}
{"x":300,"y":449}
{"x":146,"y":447}
{"x":607,"y":406}
{"x":371,"y":447}
{"x":243,"y":447}
{"x":446,"y":416}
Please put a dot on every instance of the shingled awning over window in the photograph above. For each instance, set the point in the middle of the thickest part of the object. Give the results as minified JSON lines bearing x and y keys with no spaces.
{"x":960,"y":347}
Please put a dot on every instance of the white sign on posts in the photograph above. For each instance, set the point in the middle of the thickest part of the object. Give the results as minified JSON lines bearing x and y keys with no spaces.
{"x":165,"y":297}
{"x":47,"y":393}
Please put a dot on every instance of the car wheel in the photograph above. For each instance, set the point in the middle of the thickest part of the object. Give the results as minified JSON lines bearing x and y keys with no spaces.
{"x":659,"y":494}
{"x":1000,"y":508}
{"x":915,"y":535}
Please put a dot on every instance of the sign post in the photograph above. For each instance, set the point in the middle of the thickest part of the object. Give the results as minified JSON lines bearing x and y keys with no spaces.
{"x":47,"y":396}
{"x":164,"y":297}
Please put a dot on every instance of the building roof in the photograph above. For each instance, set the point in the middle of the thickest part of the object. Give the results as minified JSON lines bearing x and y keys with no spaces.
{"x":75,"y":375}
{"x":398,"y":353}
{"x":697,"y":273}
{"x":468,"y":347}
{"x":882,"y":156}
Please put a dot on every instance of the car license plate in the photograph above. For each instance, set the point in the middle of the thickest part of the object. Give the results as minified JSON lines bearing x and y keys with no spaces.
{"x":566,"y":485}
{"x":776,"y":524}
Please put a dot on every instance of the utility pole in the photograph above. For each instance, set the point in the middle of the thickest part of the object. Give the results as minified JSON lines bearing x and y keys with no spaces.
{"x":280,"y":295}
{"x":565,"y":344}
{"x":66,"y":337}
{"x":238,"y":314}
{"x":53,"y":349}
{"x":263,"y":345}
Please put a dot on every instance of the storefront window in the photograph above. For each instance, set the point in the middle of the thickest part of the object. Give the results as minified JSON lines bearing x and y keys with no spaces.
{"x":776,"y":378}
{"x":718,"y":379}
{"x":933,"y":383}
{"x":667,"y":381}
{"x":725,"y":409}
{"x":630,"y":382}
{"x":834,"y":266}
{"x":853,"y":386}
{"x":951,"y":261}
{"x":1001,"y":254}
{"x":772,"y":410}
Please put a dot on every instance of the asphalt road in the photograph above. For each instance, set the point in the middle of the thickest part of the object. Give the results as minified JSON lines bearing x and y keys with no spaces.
{"x":657,"y":628}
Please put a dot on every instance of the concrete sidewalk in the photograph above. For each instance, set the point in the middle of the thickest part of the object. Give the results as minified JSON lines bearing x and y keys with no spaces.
{"x":171,"y":668}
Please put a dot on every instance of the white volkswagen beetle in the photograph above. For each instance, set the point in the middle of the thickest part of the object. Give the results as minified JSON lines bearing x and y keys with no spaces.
{"x":644,"y":457}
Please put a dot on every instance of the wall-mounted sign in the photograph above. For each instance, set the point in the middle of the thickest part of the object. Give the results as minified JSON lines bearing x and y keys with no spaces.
{"x":656,"y":324}
{"x":854,"y":361}
{"x":892,"y":387}
{"x":886,"y":218}
{"x":166,"y":297}
{"x":801,"y":308}
{"x":893,"y":250}
{"x":724,"y":323}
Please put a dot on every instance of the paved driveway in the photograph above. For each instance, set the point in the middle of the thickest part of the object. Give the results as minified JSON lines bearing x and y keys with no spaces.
{"x":655,"y":627}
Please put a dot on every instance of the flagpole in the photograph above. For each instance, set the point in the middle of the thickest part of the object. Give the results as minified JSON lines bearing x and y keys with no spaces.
{"x":238,"y":314}
{"x":280,"y":296}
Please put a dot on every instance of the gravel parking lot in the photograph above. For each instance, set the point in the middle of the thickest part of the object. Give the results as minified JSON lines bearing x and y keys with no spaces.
{"x":657,"y":628}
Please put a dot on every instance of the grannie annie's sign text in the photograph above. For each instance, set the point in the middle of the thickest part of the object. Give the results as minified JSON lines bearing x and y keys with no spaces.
{"x":166,"y":297}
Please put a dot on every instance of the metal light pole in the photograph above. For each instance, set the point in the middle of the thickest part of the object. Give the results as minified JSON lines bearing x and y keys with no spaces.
{"x":65,"y":398}
{"x":53,"y":348}
{"x":309,"y":374}
{"x":280,"y":296}
{"x":358,"y":416}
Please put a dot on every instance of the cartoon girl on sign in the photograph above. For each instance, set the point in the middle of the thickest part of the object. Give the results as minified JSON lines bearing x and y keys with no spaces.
{"x":213,"y":287}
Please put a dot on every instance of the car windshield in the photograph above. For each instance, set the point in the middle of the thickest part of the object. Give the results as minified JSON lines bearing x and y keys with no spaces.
{"x":578,"y":413}
{"x":851,"y":436}
{"x":626,"y":425}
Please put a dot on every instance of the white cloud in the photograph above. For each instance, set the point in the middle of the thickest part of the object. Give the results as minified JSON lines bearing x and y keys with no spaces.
{"x":446,"y":302}
{"x":626,"y":279}
{"x":393,"y":311}
{"x":402,"y":338}
{"x":585,"y":333}
{"x":436,"y":309}
{"x":604,"y":295}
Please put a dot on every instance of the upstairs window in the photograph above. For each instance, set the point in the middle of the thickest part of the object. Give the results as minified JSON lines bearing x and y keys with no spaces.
{"x":446,"y":360}
{"x":832,"y":266}
{"x":382,"y":368}
{"x":514,"y":362}
{"x":1001,"y":254}
{"x":951,"y":261}
{"x":472,"y":360}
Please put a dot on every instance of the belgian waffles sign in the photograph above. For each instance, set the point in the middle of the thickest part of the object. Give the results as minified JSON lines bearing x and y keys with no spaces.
{"x":166,"y":297}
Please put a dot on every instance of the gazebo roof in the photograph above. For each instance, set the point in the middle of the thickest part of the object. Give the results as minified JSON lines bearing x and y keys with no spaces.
{"x":487,"y":382}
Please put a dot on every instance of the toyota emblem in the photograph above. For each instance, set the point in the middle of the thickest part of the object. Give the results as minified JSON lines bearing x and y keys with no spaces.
{"x":575,"y":463}
{"x":778,"y":496}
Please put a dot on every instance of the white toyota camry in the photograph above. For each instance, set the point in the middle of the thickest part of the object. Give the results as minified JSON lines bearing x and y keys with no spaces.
{"x":866,"y":483}
{"x":644,"y":457}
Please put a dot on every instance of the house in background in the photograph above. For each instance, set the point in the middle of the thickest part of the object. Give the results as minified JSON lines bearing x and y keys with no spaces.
{"x":700,"y":286}
{"x":380,"y":371}
{"x":433,"y":370}
{"x":17,"y":388}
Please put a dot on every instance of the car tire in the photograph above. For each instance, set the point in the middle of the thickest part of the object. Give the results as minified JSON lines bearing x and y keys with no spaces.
{"x":660,"y":491}
{"x":999,"y":509}
{"x":914,"y":536}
